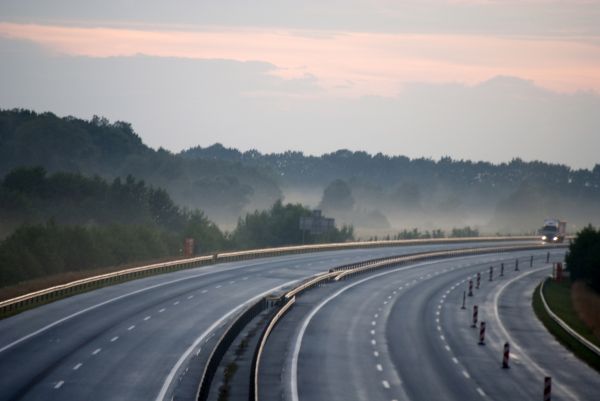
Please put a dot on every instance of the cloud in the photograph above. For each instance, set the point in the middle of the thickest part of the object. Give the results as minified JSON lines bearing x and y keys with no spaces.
{"x":177,"y":103}
{"x":377,"y":63}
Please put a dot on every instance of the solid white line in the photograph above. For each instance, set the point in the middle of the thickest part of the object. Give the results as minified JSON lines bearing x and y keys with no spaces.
{"x":96,"y":351}
{"x":307,"y":319}
{"x":171,"y":376}
{"x":58,"y":385}
{"x":76,"y":367}
{"x":115,"y":338}
{"x":385,"y":384}
{"x":131,"y":327}
{"x":515,"y":348}
{"x":379,"y":367}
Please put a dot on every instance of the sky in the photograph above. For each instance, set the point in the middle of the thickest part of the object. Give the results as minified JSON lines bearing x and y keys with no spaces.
{"x":470,"y":79}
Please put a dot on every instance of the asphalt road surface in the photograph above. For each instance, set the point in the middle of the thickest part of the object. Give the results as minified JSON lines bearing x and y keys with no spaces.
{"x":401,"y":335}
{"x":132,"y":341}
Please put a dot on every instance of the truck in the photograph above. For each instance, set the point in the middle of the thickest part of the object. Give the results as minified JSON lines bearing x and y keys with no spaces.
{"x":554,"y":230}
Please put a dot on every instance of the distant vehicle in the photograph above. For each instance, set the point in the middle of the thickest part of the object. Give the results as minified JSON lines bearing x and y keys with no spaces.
{"x":553,"y":230}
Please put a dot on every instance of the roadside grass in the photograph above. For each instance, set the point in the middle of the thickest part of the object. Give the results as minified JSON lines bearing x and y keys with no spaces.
{"x":558,"y":297}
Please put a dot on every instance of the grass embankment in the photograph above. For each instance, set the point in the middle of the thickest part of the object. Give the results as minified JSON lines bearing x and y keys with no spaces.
{"x":559,"y":299}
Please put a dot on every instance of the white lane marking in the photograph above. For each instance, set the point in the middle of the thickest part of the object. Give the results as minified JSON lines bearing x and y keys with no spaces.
{"x":372,"y":332}
{"x":218,"y":286}
{"x":376,"y":354}
{"x":373,"y":342}
{"x":466,"y":374}
{"x":447,"y":348}
{"x":131,"y":327}
{"x":385,"y":302}
{"x":108,"y":301}
{"x":115,"y":338}
{"x":379,"y":367}
{"x":514,"y":345}
{"x":147,"y":317}
{"x":442,"y":338}
{"x":480,"y":391}
{"x":454,"y":360}
{"x":232,"y":282}
{"x":58,"y":385}
{"x":373,"y":323}
{"x":171,"y":376}
{"x":307,"y":319}
{"x":176,"y":303}
{"x":204,"y":291}
{"x":190,"y":297}
{"x":96,"y":351}
{"x":376,"y":315}
{"x":385,"y":384}
{"x":244,"y":278}
{"x":76,"y":367}
{"x":439,"y":328}
{"x":161,"y":310}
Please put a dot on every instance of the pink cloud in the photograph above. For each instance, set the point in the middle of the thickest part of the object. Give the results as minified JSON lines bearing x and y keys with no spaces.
{"x":375,"y":63}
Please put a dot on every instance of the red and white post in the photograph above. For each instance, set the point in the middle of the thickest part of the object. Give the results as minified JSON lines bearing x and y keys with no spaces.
{"x":491,"y":273}
{"x":478,"y":280}
{"x":464,"y":300}
{"x":547,"y":388}
{"x":517,"y":265}
{"x":470,"y":287}
{"x":475,"y":310}
{"x":505,"y":356}
{"x":482,"y":333}
{"x":501,"y":269}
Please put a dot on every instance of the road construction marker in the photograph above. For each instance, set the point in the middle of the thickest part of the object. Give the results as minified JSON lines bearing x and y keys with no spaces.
{"x":491,"y":273}
{"x":482,"y":333}
{"x":464,"y":299}
{"x":501,"y":269}
{"x":547,"y":388}
{"x":470,"y":287}
{"x":474,"y":316}
{"x":505,"y":356}
{"x":478,"y":280}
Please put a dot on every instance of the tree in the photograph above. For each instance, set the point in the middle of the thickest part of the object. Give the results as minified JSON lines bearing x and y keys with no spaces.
{"x":583,"y":259}
{"x":337,"y":196}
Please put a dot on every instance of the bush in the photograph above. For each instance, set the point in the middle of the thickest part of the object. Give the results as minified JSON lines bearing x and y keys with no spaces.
{"x":583,"y":259}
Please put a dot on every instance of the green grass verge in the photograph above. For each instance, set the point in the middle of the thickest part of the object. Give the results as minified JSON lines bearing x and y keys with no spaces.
{"x":558,"y":297}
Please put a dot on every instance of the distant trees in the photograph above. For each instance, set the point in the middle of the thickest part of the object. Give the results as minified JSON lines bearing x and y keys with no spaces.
{"x":337,"y":196}
{"x":583,"y":259}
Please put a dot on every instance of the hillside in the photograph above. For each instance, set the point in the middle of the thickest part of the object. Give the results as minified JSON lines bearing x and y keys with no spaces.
{"x":223,"y":189}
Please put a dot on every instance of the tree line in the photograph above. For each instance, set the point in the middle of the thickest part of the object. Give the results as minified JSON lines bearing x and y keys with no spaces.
{"x":65,"y":222}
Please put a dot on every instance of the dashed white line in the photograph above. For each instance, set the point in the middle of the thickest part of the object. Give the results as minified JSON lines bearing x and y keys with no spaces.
{"x":232,"y":282}
{"x":376,"y":354}
{"x":466,"y":374}
{"x":96,"y":351}
{"x":76,"y":367}
{"x":58,"y":385}
{"x":131,"y":327}
{"x":147,"y":317}
{"x":373,"y":323}
{"x":161,"y":310}
{"x":218,"y":286}
{"x":204,"y":291}
{"x":379,"y":367}
{"x":190,"y":297}
{"x":480,"y":391}
{"x":115,"y":338}
{"x":372,"y":332}
{"x":244,"y":278}
{"x":176,"y":303}
{"x":447,"y":348}
{"x":373,"y":342}
{"x":385,"y":384}
{"x":376,"y":315}
{"x":454,"y":360}
{"x":442,"y":338}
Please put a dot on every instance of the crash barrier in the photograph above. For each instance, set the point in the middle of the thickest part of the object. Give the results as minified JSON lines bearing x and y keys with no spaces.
{"x":14,"y":305}
{"x":225,"y":341}
{"x":340,"y":272}
{"x":592,"y":347}
{"x":253,"y":394}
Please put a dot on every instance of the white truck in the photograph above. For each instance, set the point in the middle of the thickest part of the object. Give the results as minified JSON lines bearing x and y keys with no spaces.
{"x":554,"y":230}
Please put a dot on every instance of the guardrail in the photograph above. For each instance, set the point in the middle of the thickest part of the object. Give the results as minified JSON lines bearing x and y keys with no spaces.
{"x":253,"y":394}
{"x":17,"y":304}
{"x":585,"y":342}
{"x":356,"y":268}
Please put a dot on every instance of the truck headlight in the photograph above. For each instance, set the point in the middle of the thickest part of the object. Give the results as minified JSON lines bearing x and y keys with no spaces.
{"x":555,"y":239}
{"x":544,"y":238}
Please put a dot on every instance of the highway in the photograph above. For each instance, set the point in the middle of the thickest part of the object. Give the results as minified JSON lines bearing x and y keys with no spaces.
{"x":401,"y":334}
{"x":133,"y":341}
